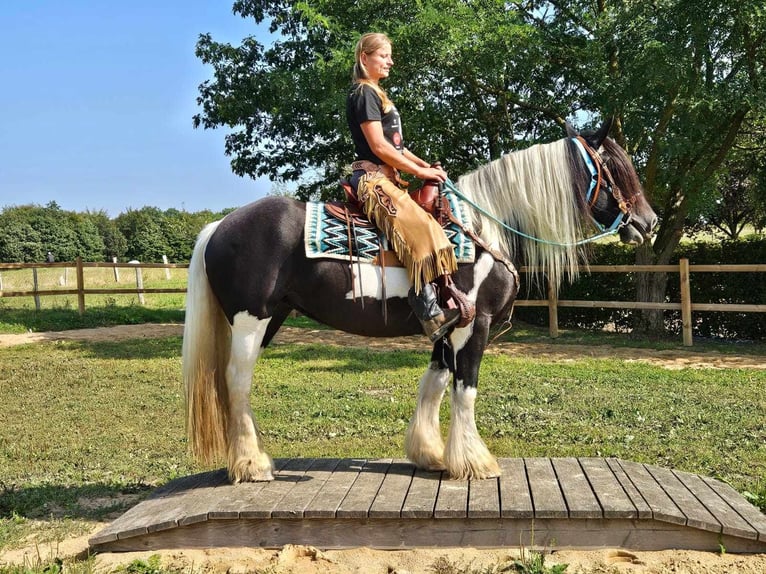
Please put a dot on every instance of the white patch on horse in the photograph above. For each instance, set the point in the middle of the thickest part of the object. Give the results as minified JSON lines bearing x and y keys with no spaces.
{"x":481,"y":270}
{"x":465,"y":455}
{"x":247,"y":333}
{"x":423,"y":442}
{"x":370,"y":283}
{"x":247,"y":458}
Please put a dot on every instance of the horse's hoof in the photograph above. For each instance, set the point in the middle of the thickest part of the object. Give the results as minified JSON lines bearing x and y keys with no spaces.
{"x":489,"y":469}
{"x":246,"y":470}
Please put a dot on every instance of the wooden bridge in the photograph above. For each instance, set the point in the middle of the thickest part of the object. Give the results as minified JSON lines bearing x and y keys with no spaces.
{"x":537,"y":502}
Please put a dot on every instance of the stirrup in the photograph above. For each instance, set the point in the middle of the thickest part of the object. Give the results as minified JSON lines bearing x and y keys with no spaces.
{"x":436,"y":330}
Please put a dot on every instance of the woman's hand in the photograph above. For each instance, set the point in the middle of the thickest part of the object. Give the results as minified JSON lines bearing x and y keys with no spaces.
{"x":432,"y":174}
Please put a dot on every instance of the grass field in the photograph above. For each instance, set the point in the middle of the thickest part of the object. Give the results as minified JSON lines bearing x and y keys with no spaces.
{"x":101,"y":421}
{"x":60,"y":312}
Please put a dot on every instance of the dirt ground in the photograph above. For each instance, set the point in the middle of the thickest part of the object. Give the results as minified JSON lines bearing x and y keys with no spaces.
{"x":672,"y":359}
{"x":308,"y":560}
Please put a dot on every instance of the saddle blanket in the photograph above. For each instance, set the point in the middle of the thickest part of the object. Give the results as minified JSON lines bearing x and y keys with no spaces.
{"x":327,"y":237}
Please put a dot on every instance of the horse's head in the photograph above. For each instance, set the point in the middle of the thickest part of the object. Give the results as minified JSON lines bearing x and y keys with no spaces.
{"x":612,"y":192}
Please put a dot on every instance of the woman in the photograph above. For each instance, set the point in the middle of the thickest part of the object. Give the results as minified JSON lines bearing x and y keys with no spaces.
{"x":415,"y":236}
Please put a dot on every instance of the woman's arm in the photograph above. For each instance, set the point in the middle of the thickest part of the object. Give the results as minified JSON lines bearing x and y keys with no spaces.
{"x":405,"y":161}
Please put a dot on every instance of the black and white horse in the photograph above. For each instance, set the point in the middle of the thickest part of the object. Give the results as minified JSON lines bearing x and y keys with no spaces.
{"x":249,"y":270}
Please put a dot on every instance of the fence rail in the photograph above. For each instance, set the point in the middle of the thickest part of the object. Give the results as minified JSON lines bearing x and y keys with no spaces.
{"x":81,"y":291}
{"x":683,"y":269}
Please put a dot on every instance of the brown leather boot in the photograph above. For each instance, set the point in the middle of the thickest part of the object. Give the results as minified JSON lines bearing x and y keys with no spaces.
{"x":436,"y":321}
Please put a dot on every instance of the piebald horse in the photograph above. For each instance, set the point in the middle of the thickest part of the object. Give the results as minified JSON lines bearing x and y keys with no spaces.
{"x":250,"y":269}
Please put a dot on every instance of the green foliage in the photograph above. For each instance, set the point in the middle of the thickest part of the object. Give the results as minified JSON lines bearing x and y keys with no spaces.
{"x":28,"y":232}
{"x":19,"y":241}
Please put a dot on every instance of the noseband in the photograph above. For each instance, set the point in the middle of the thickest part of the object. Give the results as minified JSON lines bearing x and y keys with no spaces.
{"x":602,"y":177}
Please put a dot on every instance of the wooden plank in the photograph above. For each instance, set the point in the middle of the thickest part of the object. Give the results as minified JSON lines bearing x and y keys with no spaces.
{"x":195,"y":505}
{"x":421,"y":497}
{"x":327,"y":501}
{"x":547,"y":499}
{"x":515,"y":497}
{"x":662,"y":506}
{"x":579,"y":496}
{"x":390,"y":499}
{"x":731,"y":522}
{"x":362,"y":493}
{"x":284,"y":481}
{"x":642,"y":508}
{"x":176,"y":497}
{"x":750,"y":513}
{"x":305,"y":489}
{"x":241,"y":496}
{"x":696,"y":514}
{"x":399,"y":534}
{"x":452,"y":501}
{"x":484,"y":498}
{"x":134,"y":521}
{"x":614,"y":501}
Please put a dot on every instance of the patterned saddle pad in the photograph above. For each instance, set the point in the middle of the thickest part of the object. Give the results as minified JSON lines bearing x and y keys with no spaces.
{"x":327,"y":237}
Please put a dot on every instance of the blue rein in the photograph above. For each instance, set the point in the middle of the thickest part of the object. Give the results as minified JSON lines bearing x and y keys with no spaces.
{"x":619,"y":221}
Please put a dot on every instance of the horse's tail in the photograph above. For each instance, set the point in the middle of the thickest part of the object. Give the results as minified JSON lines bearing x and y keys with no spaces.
{"x":206,"y":348}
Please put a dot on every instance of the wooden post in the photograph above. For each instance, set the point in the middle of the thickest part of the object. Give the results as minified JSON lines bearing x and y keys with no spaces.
{"x":553,"y":311}
{"x":1,"y":281}
{"x":686,"y":302}
{"x":34,"y":288}
{"x":80,"y":286}
{"x":167,"y":269}
{"x":66,"y":276}
{"x":140,"y":284}
{"x":116,"y":271}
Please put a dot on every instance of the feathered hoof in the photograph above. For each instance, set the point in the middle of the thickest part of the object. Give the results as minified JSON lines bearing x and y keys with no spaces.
{"x":427,"y":455}
{"x":251,"y":470}
{"x":432,"y":465}
{"x":473,"y":470}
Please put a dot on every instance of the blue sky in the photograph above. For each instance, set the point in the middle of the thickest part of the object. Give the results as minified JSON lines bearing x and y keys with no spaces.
{"x":97,"y":100}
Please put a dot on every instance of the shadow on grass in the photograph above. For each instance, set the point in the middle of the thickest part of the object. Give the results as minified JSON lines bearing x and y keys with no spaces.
{"x":25,"y":320}
{"x":157,"y":348}
{"x":348,"y":359}
{"x":90,"y":502}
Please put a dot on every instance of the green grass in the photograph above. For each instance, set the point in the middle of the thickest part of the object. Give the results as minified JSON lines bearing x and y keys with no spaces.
{"x":104,"y":421}
{"x":60,"y":312}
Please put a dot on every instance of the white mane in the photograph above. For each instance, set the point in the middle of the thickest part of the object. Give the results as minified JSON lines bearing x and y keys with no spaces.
{"x":531,"y":191}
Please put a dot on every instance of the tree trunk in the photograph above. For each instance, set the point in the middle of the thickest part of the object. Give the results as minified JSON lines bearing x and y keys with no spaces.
{"x":650,"y":286}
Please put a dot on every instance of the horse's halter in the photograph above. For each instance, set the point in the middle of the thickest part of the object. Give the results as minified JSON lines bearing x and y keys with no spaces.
{"x":602,"y":177}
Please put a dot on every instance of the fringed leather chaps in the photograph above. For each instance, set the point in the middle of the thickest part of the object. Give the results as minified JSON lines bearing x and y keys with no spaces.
{"x":416,"y":238}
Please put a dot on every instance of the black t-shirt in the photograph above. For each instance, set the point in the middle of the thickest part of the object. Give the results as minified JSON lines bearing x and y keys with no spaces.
{"x":363,"y":105}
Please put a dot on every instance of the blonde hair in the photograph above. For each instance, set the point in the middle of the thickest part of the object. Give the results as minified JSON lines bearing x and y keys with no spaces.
{"x":368,"y":44}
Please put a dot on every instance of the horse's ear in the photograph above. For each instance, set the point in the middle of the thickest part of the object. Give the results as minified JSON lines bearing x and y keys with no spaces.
{"x":599,"y":137}
{"x":571,"y":132}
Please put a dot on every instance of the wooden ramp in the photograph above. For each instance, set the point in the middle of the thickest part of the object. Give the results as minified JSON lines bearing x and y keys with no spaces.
{"x":537,"y":502}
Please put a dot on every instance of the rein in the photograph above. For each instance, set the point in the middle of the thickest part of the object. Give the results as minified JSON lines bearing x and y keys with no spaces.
{"x":594,"y":189}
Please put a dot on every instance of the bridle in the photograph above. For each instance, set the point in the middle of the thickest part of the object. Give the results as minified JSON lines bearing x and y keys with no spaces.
{"x":601,"y":177}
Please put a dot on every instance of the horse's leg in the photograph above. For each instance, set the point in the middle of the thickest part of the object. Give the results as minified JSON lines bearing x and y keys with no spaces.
{"x":247,"y":459}
{"x":423,"y":442}
{"x":466,"y":456}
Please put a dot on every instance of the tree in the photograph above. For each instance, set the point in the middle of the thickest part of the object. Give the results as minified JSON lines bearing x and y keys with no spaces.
{"x":461,"y":102}
{"x":475,"y":79}
{"x":143,"y":232}
{"x":19,"y":242}
{"x":115,"y":244}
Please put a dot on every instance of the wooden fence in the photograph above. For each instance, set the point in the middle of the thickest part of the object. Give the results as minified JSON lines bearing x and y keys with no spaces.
{"x":686,"y":306}
{"x":80,"y":290}
{"x":683,"y":269}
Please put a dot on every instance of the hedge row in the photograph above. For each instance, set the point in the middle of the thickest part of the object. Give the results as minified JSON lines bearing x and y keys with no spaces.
{"x":744,"y":288}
